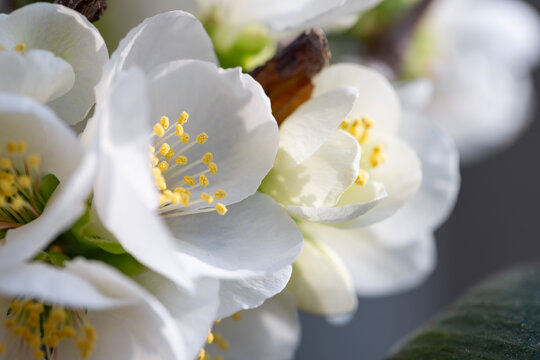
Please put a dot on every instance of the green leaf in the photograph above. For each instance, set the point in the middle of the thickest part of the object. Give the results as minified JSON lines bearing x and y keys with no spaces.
{"x":498,"y":320}
{"x":47,"y":185}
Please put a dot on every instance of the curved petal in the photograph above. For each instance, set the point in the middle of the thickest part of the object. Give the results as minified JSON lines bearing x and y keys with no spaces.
{"x":151,"y":331}
{"x":311,"y":125}
{"x":376,"y":269}
{"x":401,"y":175}
{"x":160,"y":39}
{"x":69,"y":36}
{"x":321,"y":283}
{"x":39,"y":74}
{"x":194,"y":313}
{"x":437,"y":194}
{"x":348,"y":9}
{"x":270,"y":332}
{"x":254,"y":238}
{"x":22,"y":119}
{"x":237,"y":295}
{"x":320,"y":180}
{"x":377,"y":99}
{"x":232,"y":109}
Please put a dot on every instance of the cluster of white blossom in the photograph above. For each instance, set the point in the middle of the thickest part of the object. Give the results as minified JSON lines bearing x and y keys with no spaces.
{"x":182,"y":222}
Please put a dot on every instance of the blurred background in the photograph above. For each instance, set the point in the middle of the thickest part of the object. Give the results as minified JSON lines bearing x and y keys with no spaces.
{"x":495,"y":225}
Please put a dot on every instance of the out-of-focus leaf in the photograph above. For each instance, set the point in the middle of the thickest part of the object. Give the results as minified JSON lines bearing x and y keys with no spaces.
{"x":500,"y":319}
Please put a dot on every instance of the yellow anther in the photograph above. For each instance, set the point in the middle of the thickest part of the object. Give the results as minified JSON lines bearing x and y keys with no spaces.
{"x":58,"y":315}
{"x":168,"y":194}
{"x":223,"y":344}
{"x":203,"y":180}
{"x":344,"y":125}
{"x":178,"y":130}
{"x":184,"y":199}
{"x":17,"y":203}
{"x":164,"y":122}
{"x":164,"y":149}
{"x":207,"y":198}
{"x":11,"y":147}
{"x":221,"y":209}
{"x":183,"y":118}
{"x":362,"y":178}
{"x":181,"y":160}
{"x":38,"y":354}
{"x":163,"y":166}
{"x":236,"y":316}
{"x":189,"y":180}
{"x":213,"y":168}
{"x":180,"y":190}
{"x":170,"y":154}
{"x":158,"y":130}
{"x":24,"y":181}
{"x":202,"y":355}
{"x":21,"y":147}
{"x":368,"y":124}
{"x":176,"y":198}
{"x":2,"y":348}
{"x":220,"y":194}
{"x":21,"y":47}
{"x":90,"y":332}
{"x":5,"y":163}
{"x":155,"y":161}
{"x":163,"y":200}
{"x":34,"y":160}
{"x":202,"y":138}
{"x":207,"y":158}
{"x":209,"y":337}
{"x":184,"y":138}
{"x":377,"y":157}
{"x":67,"y":332}
{"x":9,"y":323}
{"x":156,"y":173}
{"x":219,"y":357}
{"x":2,"y":48}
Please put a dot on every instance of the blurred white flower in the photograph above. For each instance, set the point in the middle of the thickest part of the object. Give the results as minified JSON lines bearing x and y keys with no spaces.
{"x":353,"y":190}
{"x":54,"y":55}
{"x":193,"y":198}
{"x":37,"y":145}
{"x":86,"y":310}
{"x":481,"y":87}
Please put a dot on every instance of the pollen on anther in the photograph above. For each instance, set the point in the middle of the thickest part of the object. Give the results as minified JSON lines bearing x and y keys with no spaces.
{"x":362,"y":178}
{"x":202,"y":138}
{"x":203,"y":180}
{"x":164,"y":122}
{"x":170,"y":154}
{"x":34,"y":161}
{"x":11,"y":147}
{"x":163,"y":166}
{"x":189,"y":180}
{"x":181,"y":160}
{"x":207,"y":198}
{"x":207,"y":158}
{"x":21,"y":47}
{"x":220,"y":194}
{"x":5,"y":163}
{"x":164,"y":149}
{"x":183,"y":118}
{"x":184,"y":138}
{"x":178,"y":130}
{"x":158,"y":130}
{"x":221,"y":209}
{"x":213,"y":168}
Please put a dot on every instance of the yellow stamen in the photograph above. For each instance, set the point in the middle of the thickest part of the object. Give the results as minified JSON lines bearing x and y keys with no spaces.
{"x":213,"y":168}
{"x":158,"y":130}
{"x":221,"y":209}
{"x":362,"y":178}
{"x":207,"y":198}
{"x":164,"y":149}
{"x":202,"y":138}
{"x":21,"y":48}
{"x":207,"y":158}
{"x":209,"y":337}
{"x":220,"y":194}
{"x":34,"y":160}
{"x":377,"y":157}
{"x":203,"y":180}
{"x":163,"y":166}
{"x":170,"y":154}
{"x":181,"y":160}
{"x":183,"y":118}
{"x":184,"y":138}
{"x":189,"y":180}
{"x":11,"y":147}
{"x":21,"y":147}
{"x":5,"y":163}
{"x":164,"y":122}
{"x":178,"y":130}
{"x":237,"y":316}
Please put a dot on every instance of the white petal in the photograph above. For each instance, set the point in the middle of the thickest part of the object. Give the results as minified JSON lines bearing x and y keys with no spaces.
{"x":415,"y":95}
{"x":124,"y":193}
{"x":118,"y":22}
{"x":22,"y":119}
{"x":69,"y":36}
{"x":237,"y":295}
{"x":38,"y":74}
{"x":194,"y":313}
{"x":235,"y":113}
{"x":401,"y":175}
{"x":320,"y":180}
{"x":311,"y":125}
{"x":376,"y":269}
{"x":174,"y":35}
{"x":348,"y":9}
{"x":254,"y":238}
{"x":321,"y":283}
{"x":152,"y":329}
{"x":270,"y":332}
{"x":376,"y":97}
{"x":437,"y":194}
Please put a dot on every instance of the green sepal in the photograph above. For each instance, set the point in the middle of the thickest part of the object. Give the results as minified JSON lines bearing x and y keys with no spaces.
{"x":500,"y":319}
{"x":52,"y":257}
{"x":47,"y":185}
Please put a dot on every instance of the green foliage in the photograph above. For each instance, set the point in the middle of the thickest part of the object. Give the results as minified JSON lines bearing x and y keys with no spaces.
{"x":497,"y":320}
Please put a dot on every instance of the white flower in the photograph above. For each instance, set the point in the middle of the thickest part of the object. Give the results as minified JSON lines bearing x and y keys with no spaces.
{"x":366,"y":213}
{"x":36,"y":144}
{"x":53,"y":54}
{"x":480,"y":72}
{"x":232,"y":145}
{"x":86,"y":310}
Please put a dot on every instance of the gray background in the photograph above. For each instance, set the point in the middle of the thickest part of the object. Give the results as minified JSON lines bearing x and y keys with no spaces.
{"x":495,"y":225}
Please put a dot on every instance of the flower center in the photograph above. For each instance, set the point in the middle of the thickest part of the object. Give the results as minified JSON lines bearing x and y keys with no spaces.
{"x":20,"y":199}
{"x":20,"y":48}
{"x":176,"y":177}
{"x":360,"y":129}
{"x":37,"y":329}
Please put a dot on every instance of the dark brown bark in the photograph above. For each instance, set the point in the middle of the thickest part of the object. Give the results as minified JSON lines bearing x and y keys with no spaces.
{"x":286,"y":78}
{"x":92,"y":9}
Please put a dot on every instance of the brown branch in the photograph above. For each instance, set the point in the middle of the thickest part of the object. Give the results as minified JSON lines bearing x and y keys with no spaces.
{"x":92,"y":9}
